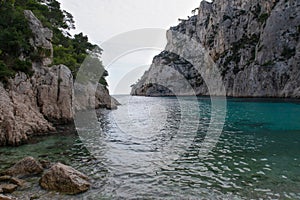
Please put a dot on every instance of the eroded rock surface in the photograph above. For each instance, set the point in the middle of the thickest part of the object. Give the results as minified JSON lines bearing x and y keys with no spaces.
{"x":4,"y":197}
{"x":8,"y":188}
{"x":93,"y":96}
{"x":59,"y":177}
{"x":254,"y":44}
{"x":42,"y":38}
{"x":30,"y":105}
{"x":25,"y":167}
{"x":64,"y":179}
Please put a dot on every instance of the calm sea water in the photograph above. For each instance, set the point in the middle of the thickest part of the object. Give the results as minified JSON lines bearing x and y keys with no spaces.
{"x":150,"y":148}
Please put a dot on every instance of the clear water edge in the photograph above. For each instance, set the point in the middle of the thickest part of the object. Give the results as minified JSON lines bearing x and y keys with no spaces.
{"x":257,"y":156}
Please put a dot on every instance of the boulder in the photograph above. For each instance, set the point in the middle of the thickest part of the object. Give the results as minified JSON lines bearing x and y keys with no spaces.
{"x":27,"y":166}
{"x":8,"y":188}
{"x":64,"y":179}
{"x":3,"y":197}
{"x":46,"y":164}
{"x":5,"y":178}
{"x":13,"y":180}
{"x":17,"y":181}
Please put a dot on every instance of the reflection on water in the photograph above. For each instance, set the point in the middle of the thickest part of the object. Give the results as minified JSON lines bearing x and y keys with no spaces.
{"x":139,"y":153}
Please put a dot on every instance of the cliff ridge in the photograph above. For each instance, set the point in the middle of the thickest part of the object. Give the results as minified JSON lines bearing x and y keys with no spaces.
{"x":254,"y":44}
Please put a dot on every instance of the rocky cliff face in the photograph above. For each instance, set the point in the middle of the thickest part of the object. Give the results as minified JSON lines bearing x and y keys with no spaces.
{"x":29,"y":105}
{"x":254,"y":44}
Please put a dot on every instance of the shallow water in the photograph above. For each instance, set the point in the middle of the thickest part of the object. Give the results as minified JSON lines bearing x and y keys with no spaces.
{"x":150,"y":148}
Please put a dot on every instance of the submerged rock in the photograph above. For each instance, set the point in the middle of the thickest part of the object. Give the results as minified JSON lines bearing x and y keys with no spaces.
{"x":13,"y":180}
{"x":5,"y":178}
{"x":17,"y":181}
{"x":64,"y":179}
{"x":25,"y":167}
{"x":8,"y":188}
{"x":60,"y":178}
{"x":3,"y":197}
{"x":46,"y":164}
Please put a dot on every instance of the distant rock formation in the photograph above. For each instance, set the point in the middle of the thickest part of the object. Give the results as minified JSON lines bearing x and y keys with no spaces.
{"x":29,"y":105}
{"x":254,"y":44}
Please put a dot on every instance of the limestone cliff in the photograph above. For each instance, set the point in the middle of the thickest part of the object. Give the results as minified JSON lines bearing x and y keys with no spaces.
{"x":254,"y":44}
{"x":29,"y":105}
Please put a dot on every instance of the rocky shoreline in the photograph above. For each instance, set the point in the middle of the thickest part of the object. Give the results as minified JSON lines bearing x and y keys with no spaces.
{"x":39,"y":104}
{"x":52,"y":177}
{"x":30,"y":105}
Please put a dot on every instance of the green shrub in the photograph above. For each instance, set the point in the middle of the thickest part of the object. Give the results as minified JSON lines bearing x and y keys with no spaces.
{"x":5,"y":72}
{"x":23,"y":66}
{"x":268,"y":63}
{"x":225,"y":17}
{"x":15,"y":37}
{"x":263,"y":17}
{"x":287,"y":52}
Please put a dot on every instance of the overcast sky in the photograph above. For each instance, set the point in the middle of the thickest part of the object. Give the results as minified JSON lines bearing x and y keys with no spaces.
{"x":103,"y":20}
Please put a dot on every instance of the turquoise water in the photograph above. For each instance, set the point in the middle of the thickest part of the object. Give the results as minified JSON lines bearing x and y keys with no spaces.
{"x":140,"y":154}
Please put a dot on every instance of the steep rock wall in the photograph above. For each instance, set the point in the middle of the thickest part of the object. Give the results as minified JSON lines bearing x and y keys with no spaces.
{"x":254,"y":44}
{"x":29,"y":106}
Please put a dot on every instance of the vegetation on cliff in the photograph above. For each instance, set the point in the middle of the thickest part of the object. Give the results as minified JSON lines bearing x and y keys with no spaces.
{"x":16,"y":51}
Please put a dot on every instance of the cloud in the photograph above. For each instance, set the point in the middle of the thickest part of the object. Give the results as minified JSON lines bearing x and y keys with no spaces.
{"x":103,"y":19}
